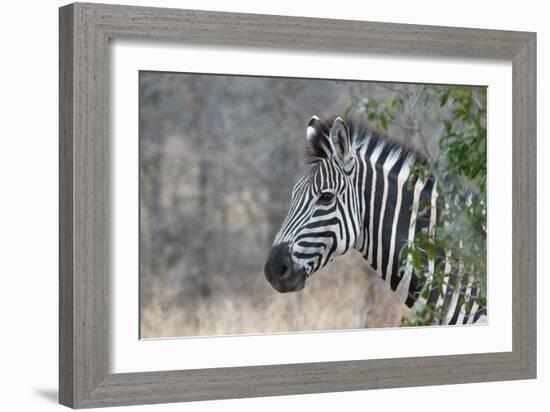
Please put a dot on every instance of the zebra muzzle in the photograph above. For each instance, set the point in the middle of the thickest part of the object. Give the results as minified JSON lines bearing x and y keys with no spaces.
{"x":281,"y":272}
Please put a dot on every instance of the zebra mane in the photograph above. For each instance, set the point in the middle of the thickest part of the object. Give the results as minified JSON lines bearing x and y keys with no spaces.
{"x":318,"y":145}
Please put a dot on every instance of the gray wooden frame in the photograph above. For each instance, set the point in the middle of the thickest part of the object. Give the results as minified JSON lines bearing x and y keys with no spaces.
{"x":85,"y":31}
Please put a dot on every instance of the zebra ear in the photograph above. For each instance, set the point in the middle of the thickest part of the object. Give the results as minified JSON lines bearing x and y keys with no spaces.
{"x":339,"y":136}
{"x":313,"y":128}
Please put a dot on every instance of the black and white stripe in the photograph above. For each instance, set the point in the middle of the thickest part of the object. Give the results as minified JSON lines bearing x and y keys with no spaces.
{"x":375,"y":207}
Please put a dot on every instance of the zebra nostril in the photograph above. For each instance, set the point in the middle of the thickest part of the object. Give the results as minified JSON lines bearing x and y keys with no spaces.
{"x":281,"y":272}
{"x":278,"y":265}
{"x":284,"y":271}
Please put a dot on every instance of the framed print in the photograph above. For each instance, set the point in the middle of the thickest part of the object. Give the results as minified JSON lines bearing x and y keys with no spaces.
{"x":257,"y":205}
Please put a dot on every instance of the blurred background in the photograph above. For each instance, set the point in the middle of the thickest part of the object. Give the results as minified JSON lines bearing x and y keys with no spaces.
{"x":218,"y":158}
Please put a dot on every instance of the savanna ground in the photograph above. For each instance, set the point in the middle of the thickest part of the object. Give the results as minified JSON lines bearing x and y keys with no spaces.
{"x":345,"y":295}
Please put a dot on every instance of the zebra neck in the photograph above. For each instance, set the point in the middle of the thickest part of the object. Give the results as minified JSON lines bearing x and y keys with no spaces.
{"x":389,"y":205}
{"x":394,"y":207}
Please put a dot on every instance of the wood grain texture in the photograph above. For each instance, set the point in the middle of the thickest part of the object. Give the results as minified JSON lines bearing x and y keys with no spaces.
{"x":524,"y":228}
{"x":66,"y":229}
{"x":84,"y":228}
{"x":85,"y":31}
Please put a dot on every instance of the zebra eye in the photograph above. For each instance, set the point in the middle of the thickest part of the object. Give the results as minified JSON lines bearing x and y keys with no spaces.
{"x":325,"y":198}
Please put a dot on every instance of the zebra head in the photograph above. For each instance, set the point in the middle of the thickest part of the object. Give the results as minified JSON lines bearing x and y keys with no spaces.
{"x":323,"y":220}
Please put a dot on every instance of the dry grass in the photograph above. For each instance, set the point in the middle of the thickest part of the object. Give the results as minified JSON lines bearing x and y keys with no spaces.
{"x":343,"y":296}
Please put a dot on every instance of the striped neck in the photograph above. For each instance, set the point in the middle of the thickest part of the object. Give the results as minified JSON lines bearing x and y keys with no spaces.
{"x":388,"y":203}
{"x":395,"y":207}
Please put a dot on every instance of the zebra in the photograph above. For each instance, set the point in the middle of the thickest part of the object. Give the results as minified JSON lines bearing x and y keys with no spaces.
{"x":360,"y":192}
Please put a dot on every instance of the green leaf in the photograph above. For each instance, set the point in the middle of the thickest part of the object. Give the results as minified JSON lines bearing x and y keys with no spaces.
{"x":384,"y":123}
